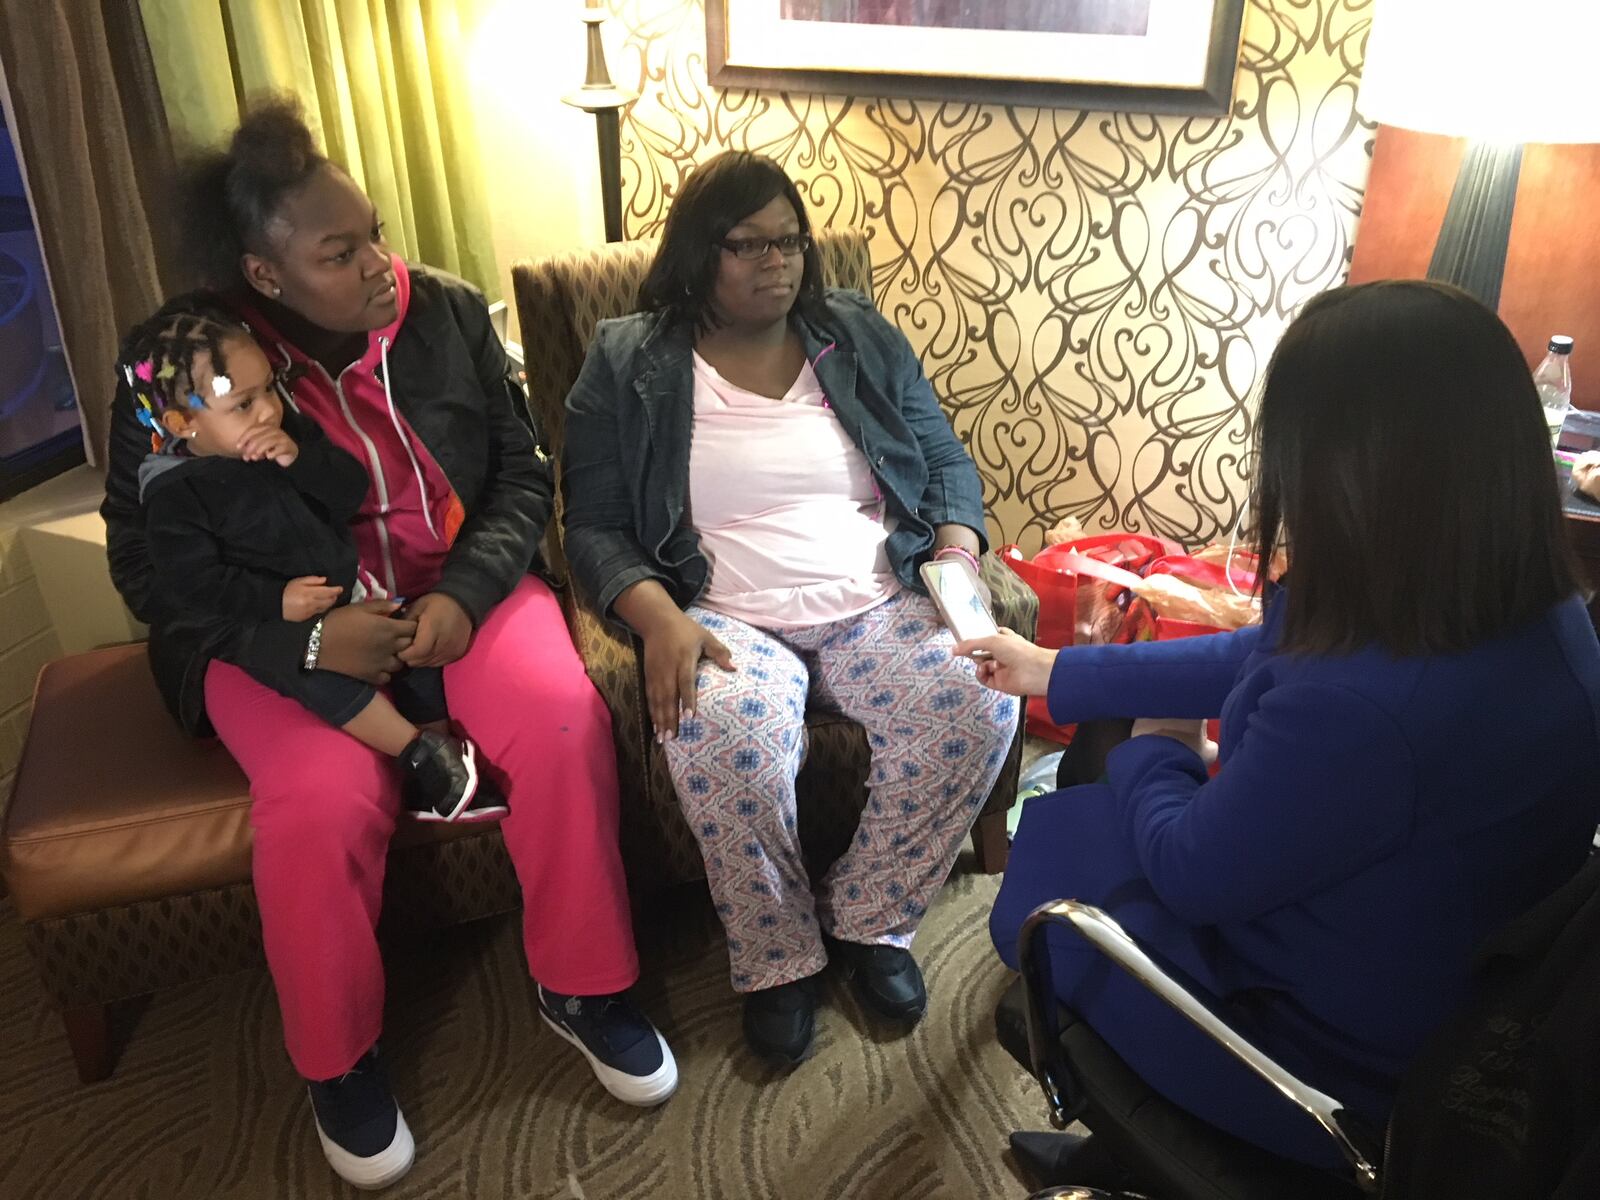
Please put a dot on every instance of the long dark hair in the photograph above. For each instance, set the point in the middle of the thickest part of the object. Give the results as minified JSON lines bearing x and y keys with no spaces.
{"x":1404,"y":463}
{"x":719,"y":193}
{"x":234,"y":193}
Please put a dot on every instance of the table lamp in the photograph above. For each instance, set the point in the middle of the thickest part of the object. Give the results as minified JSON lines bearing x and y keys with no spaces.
{"x":1500,"y":75}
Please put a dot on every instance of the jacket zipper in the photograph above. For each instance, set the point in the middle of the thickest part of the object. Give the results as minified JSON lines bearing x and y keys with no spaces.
{"x":378,"y":479}
{"x":416,"y":467}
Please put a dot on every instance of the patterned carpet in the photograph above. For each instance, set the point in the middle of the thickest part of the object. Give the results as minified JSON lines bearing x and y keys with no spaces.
{"x":204,"y":1105}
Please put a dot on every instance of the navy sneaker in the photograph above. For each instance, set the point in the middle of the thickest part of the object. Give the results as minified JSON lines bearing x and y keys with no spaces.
{"x":627,"y":1054}
{"x":363,"y":1133}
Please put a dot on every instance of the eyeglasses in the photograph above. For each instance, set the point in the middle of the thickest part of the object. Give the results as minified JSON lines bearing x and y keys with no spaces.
{"x":750,"y":249}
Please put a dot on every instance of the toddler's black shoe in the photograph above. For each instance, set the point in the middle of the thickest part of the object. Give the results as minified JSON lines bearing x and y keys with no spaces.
{"x":447,"y":783}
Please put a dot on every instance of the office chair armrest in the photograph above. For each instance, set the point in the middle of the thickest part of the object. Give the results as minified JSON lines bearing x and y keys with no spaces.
{"x":1112,"y":940}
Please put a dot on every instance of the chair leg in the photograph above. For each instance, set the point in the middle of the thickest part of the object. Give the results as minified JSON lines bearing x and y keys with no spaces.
{"x":990,"y":841}
{"x":89,"y":1036}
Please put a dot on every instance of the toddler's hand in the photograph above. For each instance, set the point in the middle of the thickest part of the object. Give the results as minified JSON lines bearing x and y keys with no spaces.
{"x":308,"y":596}
{"x":268,"y":441}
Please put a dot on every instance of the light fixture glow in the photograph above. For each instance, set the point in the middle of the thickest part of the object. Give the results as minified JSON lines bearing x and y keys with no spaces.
{"x":1496,"y":71}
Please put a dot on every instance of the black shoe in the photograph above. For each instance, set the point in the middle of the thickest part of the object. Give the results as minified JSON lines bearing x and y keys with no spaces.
{"x":780,"y":1022}
{"x":1068,"y":1159}
{"x":362,"y":1131}
{"x":886,"y":979}
{"x":446,"y":781}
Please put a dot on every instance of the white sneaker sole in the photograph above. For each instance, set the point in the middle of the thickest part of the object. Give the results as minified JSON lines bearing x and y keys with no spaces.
{"x":469,"y":759}
{"x":381,"y":1169}
{"x":641,"y":1091}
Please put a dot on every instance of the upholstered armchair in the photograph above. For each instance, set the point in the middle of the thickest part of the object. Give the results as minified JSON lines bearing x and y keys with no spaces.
{"x":559,"y":301}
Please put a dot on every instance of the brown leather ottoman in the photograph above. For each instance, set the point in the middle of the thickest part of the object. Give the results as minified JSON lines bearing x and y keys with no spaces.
{"x":126,"y":849}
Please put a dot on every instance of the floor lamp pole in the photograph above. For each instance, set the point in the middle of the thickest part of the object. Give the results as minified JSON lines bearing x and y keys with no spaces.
{"x":608,"y":134}
{"x":1471,"y":248}
{"x":605,"y":101}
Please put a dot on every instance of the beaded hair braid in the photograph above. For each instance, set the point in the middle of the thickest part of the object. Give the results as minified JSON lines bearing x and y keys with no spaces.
{"x":157,"y":357}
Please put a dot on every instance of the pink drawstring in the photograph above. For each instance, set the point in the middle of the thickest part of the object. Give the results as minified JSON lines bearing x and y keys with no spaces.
{"x":822,"y":355}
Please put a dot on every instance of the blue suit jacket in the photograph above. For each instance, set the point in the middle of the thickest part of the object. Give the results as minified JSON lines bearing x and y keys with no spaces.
{"x":1373,"y":820}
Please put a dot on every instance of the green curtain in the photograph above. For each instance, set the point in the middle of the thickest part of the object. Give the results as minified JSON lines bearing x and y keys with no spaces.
{"x":383,"y":84}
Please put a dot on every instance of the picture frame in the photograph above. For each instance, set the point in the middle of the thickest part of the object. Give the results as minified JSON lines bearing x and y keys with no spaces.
{"x":1152,"y":56}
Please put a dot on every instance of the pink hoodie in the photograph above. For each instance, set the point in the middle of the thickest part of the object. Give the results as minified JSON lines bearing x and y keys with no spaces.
{"x":411,"y":514}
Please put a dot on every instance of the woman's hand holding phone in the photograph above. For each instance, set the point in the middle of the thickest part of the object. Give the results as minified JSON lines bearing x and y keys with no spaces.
{"x":1010,"y":663}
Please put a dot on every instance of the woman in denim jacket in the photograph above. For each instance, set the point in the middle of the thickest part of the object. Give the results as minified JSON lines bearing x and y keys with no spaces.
{"x":755,"y":468}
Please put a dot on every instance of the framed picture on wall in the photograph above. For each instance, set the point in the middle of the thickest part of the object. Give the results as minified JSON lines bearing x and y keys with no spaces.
{"x":1176,"y":56}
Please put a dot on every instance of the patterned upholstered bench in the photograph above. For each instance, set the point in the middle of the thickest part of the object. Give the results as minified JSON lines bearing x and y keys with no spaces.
{"x":126,"y":851}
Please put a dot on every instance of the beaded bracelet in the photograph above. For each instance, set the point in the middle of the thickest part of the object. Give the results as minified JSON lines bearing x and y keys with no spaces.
{"x":977,"y":568}
{"x":313,"y":646}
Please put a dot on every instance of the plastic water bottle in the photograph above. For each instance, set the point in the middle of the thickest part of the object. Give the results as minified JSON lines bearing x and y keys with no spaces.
{"x":1553,"y":379}
{"x":1040,"y":777}
{"x":1037,"y":780}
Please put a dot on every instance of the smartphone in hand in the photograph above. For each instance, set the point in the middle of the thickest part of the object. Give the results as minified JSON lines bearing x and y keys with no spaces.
{"x":954,"y":590}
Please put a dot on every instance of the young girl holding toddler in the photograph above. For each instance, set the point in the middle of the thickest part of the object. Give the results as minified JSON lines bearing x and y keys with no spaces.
{"x":247,"y":507}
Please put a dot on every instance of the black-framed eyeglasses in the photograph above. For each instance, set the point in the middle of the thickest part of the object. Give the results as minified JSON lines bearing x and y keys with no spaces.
{"x":750,"y":249}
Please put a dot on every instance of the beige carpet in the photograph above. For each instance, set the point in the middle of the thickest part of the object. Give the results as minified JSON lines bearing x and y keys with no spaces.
{"x":205,"y":1105}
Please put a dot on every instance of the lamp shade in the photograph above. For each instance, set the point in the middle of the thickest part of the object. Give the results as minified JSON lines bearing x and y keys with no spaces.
{"x":1491,"y":71}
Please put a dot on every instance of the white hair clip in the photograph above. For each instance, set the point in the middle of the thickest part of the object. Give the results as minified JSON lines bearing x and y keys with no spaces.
{"x":221,"y":385}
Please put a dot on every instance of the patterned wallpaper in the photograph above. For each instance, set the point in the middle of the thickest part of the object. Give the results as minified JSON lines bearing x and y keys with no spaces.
{"x":1094,"y":295}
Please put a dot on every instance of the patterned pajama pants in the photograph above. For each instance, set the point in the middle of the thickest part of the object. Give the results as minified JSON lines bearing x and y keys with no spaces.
{"x":938,"y":740}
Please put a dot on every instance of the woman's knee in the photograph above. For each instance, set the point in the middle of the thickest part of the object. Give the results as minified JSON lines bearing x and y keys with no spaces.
{"x":311,"y":805}
{"x":517,"y":691}
{"x":739,"y":756}
{"x":991,"y":718}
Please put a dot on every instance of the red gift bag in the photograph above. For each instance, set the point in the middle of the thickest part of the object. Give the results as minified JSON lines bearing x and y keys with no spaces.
{"x":1083,"y":593}
{"x":1080,"y":601}
{"x":1240,"y":574}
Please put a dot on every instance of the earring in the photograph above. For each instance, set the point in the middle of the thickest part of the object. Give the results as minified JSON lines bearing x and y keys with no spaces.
{"x":276,"y":290}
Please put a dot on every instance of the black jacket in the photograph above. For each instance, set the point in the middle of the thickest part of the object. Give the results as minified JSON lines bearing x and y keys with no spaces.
{"x":225,"y":535}
{"x":452,"y":383}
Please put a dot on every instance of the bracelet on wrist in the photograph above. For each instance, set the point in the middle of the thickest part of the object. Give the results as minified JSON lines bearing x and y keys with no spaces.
{"x":972,"y":558}
{"x":313,"y":647}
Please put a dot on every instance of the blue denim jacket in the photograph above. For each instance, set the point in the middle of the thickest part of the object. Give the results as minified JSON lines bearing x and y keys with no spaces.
{"x":630,"y":418}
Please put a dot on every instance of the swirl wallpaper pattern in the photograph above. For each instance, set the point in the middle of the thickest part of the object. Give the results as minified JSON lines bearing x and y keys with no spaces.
{"x":1094,"y":295}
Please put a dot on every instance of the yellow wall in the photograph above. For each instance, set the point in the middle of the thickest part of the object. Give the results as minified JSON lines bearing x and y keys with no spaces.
{"x":1094,"y":294}
{"x":539,"y":154}
{"x":55,"y":595}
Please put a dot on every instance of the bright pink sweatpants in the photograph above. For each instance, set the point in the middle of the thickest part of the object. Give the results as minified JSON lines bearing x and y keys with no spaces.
{"x":324,"y":807}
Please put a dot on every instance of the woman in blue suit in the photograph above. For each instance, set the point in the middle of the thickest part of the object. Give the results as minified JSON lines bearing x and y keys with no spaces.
{"x":1409,"y":740}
